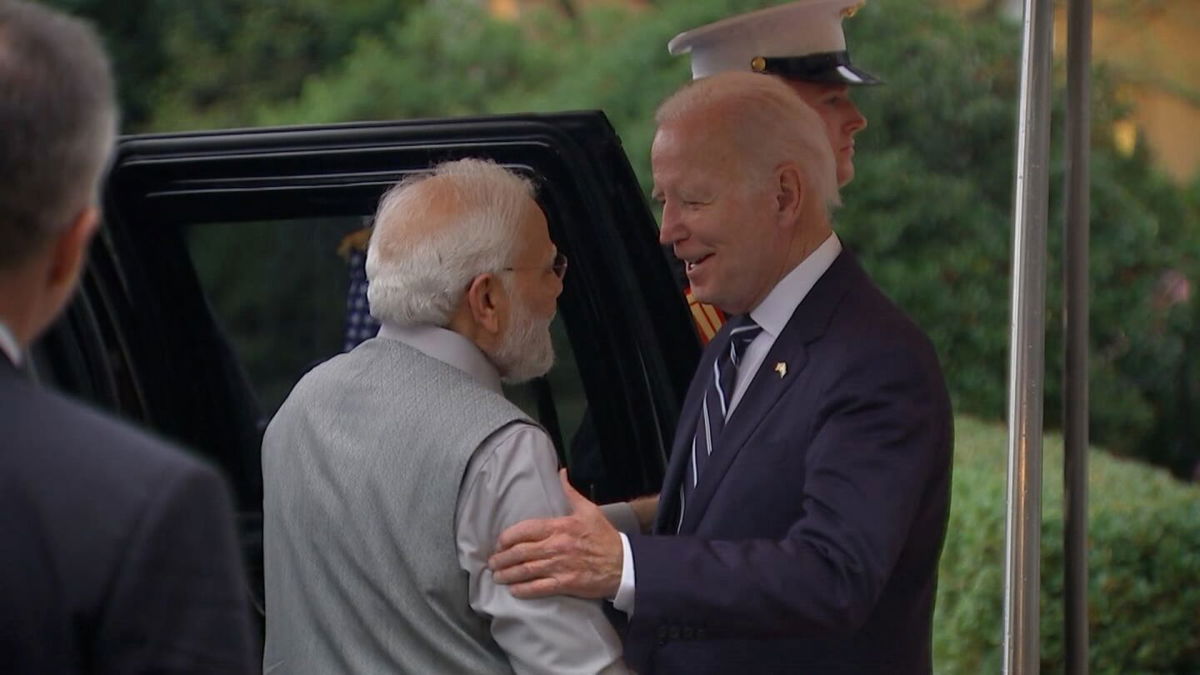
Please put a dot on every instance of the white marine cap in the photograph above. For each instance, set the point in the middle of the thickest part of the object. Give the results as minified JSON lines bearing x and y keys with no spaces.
{"x":801,"y":40}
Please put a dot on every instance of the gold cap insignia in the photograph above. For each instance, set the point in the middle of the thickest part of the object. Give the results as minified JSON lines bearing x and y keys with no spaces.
{"x":758,"y":64}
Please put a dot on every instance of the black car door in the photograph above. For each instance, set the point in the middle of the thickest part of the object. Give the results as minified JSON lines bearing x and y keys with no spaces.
{"x":226,"y":268}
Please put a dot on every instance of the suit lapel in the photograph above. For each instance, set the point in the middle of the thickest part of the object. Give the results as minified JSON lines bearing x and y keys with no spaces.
{"x":667,"y":518}
{"x":807,"y":324}
{"x":7,"y":367}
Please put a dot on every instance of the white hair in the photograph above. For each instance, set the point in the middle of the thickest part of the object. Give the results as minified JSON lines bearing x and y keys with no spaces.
{"x":767,"y":122}
{"x":436,"y":232}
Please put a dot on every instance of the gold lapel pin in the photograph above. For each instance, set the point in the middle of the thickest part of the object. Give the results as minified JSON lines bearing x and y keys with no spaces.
{"x":781,"y":368}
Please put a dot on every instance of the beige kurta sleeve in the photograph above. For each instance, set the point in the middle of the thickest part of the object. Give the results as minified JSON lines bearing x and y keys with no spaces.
{"x":513,"y":476}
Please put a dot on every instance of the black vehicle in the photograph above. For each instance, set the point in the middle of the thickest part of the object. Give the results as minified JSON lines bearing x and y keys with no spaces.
{"x":217,"y":283}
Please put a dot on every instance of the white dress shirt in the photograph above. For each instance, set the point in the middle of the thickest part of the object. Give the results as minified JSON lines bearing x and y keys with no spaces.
{"x":513,"y":476}
{"x":773,"y":314}
{"x":9,"y":346}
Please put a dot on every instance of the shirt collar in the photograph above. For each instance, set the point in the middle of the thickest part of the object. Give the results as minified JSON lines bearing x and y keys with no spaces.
{"x":9,"y":345}
{"x":448,"y":347}
{"x":777,"y":308}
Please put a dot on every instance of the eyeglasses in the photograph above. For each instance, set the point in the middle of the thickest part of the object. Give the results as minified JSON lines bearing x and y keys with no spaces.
{"x":559,"y":266}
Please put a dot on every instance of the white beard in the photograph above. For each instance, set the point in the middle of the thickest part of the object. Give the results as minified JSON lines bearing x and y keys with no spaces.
{"x":526,"y":351}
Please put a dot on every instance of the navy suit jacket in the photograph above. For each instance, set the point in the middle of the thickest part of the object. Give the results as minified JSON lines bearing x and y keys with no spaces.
{"x":812,"y":540}
{"x":117,"y":552}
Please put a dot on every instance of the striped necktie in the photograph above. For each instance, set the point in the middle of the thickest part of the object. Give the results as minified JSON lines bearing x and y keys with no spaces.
{"x":715,"y":408}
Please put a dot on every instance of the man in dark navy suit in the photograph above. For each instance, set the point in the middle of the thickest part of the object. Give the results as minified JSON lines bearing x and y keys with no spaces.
{"x":806,"y":499}
{"x":117,"y":552}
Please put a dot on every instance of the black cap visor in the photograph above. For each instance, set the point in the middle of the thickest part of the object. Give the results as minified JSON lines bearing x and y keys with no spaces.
{"x":827,"y":68}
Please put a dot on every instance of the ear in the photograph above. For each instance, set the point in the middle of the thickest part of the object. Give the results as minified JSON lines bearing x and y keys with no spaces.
{"x":486,"y":300}
{"x":70,"y":250}
{"x":791,"y":192}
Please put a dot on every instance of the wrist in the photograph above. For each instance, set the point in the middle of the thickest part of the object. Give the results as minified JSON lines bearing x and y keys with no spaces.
{"x":645,"y":509}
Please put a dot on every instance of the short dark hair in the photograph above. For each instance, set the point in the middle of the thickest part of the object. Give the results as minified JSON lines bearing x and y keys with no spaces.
{"x":58,"y":118}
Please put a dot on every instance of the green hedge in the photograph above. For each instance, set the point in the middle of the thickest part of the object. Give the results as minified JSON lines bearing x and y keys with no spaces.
{"x":1144,"y":563}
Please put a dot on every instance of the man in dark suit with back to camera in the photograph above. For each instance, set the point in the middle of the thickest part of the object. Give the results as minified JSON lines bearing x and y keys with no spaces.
{"x":117,"y":552}
{"x":806,"y":499}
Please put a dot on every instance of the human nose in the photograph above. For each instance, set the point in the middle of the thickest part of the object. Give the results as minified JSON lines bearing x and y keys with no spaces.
{"x":558,"y":281}
{"x":671,"y":229}
{"x":559,"y":266}
{"x":857,"y":121}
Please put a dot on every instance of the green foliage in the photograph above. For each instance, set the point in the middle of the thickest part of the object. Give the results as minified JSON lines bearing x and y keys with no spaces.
{"x":929,"y":209}
{"x":1144,"y":535}
{"x":446,"y":59}
{"x":929,"y":212}
{"x":132,"y":34}
{"x":617,"y":61}
{"x":214,"y":64}
{"x":235,"y":57}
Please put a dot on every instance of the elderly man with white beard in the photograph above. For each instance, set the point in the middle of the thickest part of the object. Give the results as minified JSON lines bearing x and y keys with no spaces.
{"x":390,"y":470}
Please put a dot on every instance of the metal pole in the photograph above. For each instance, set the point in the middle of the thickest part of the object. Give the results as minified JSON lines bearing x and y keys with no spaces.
{"x":1075,"y":317}
{"x":1028,"y":345}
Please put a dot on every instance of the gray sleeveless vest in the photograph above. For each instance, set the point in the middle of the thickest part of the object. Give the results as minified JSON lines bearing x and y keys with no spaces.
{"x":361,"y":470}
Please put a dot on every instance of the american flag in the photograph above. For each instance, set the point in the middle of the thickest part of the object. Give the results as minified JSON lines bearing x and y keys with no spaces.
{"x":360,"y":325}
